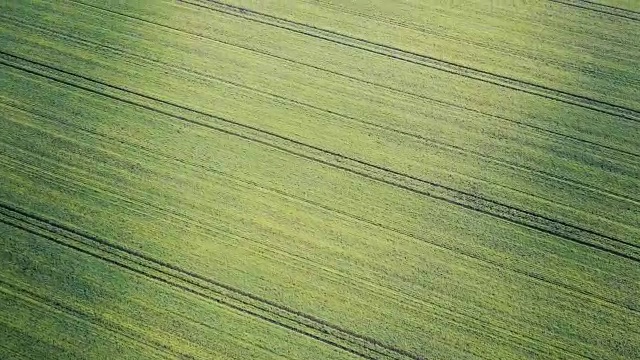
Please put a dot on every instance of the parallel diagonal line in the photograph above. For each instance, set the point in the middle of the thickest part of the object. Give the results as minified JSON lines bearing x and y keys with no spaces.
{"x":422,"y":60}
{"x":400,"y":131}
{"x":509,"y":213}
{"x":601,"y":8}
{"x":336,"y":211}
{"x":451,"y":314}
{"x":369,"y":82}
{"x":205,"y":287}
{"x":86,"y":317}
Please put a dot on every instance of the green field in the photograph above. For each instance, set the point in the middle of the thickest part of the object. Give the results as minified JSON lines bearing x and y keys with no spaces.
{"x":318,"y":179}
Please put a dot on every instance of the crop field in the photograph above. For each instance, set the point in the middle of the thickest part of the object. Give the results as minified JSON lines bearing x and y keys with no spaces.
{"x":320,"y":179}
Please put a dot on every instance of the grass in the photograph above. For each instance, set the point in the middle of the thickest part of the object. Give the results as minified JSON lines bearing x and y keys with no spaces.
{"x":194,"y":181}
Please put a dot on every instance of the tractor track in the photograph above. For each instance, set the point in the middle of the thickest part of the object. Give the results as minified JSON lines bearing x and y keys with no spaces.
{"x":202,"y":286}
{"x":401,"y":131}
{"x":422,"y":60}
{"x":364,"y":81}
{"x":374,"y":172}
{"x":398,"y":294}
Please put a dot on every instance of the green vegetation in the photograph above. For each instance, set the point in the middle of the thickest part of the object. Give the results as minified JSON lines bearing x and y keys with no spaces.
{"x":319,"y":180}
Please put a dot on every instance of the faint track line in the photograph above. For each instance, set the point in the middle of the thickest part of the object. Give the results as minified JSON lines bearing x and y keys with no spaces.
{"x":14,"y":352}
{"x":78,"y":314}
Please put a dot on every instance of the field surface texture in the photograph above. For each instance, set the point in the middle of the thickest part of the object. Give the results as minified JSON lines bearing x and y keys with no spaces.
{"x":320,"y":179}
